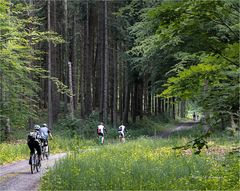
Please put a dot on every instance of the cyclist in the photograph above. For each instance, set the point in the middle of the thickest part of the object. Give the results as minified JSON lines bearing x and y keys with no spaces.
{"x":121,"y":133}
{"x":33,"y":142}
{"x":44,"y":133}
{"x":100,"y":131}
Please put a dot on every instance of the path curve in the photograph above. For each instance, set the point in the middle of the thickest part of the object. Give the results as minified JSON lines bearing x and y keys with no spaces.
{"x":180,"y":127}
{"x":17,"y":175}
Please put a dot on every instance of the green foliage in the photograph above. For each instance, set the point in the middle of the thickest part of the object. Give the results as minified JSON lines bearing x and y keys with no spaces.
{"x":192,"y":48}
{"x":13,"y":152}
{"x":197,"y":144}
{"x":10,"y":152}
{"x":85,"y":128}
{"x":19,"y":58}
{"x":142,"y":165}
{"x":148,"y":127}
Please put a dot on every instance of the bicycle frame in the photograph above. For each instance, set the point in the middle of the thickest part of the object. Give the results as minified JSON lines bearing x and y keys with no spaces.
{"x":101,"y":139}
{"x":35,"y":162}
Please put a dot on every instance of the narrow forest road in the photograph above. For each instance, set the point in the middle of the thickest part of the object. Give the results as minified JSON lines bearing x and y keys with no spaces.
{"x":180,"y":127}
{"x":17,"y":176}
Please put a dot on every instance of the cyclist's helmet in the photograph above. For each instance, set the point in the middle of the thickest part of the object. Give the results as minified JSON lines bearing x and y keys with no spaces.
{"x":36,"y":127}
{"x":44,"y":125}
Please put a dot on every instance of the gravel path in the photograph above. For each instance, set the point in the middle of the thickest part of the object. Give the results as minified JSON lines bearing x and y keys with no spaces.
{"x":17,"y":176}
{"x":180,"y":127}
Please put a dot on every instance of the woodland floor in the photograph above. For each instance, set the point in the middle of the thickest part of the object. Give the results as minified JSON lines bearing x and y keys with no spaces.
{"x":17,"y":175}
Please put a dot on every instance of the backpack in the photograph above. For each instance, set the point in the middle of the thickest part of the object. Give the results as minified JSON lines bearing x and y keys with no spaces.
{"x":32,"y":136}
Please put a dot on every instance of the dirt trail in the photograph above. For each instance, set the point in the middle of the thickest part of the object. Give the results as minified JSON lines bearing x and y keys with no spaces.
{"x":181,"y":126}
{"x":17,"y":176}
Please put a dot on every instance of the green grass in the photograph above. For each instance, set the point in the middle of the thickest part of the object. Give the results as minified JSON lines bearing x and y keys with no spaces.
{"x":143,"y":164}
{"x":13,"y":152}
{"x":10,"y":152}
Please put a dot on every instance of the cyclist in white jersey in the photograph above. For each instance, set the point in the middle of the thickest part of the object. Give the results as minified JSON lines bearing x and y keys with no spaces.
{"x":101,"y":130}
{"x":121,"y":133}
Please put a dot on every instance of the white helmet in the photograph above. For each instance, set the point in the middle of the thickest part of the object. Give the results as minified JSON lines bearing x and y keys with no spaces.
{"x":36,"y":127}
{"x":44,"y":125}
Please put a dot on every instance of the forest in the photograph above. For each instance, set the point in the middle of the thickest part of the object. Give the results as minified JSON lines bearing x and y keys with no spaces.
{"x":148,"y":64}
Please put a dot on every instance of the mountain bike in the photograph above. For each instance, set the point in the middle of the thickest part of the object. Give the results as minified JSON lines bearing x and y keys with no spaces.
{"x":45,"y":150}
{"x":101,"y":139}
{"x":35,"y":162}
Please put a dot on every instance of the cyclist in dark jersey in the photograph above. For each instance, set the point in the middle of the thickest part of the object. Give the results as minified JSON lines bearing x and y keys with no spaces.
{"x":33,"y":142}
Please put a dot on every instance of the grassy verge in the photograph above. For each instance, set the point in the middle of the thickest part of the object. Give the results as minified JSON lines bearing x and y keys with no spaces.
{"x":143,"y":164}
{"x":10,"y":152}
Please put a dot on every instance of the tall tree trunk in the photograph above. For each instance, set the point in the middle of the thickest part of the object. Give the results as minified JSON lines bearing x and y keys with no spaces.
{"x":105,"y":103}
{"x":88,"y":67}
{"x":145,"y":94}
{"x":120,"y":91}
{"x":74,"y":63}
{"x":166,"y":107}
{"x":101,"y":57}
{"x":111,"y":78}
{"x":82,"y":83}
{"x":183,"y":109}
{"x":149,"y":100}
{"x":173,"y":108}
{"x":71,"y":90}
{"x":206,"y":113}
{"x":134,"y":102}
{"x":115,"y":83}
{"x":126,"y":96}
{"x":140,"y":100}
{"x":65,"y":52}
{"x":30,"y":120}
{"x":50,"y":118}
{"x":55,"y":68}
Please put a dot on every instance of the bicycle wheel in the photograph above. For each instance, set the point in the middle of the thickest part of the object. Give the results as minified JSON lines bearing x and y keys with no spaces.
{"x":100,"y":140}
{"x":37,"y":163}
{"x":43,"y":152}
{"x":47,"y":152}
{"x":32,"y":164}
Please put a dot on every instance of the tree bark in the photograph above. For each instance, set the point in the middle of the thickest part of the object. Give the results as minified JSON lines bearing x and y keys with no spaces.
{"x":173,"y":108}
{"x":71,"y":90}
{"x":88,"y":67}
{"x":126,"y":96}
{"x":115,"y":83}
{"x":55,"y":68}
{"x":50,"y":118}
{"x":105,"y":103}
{"x":65,"y":52}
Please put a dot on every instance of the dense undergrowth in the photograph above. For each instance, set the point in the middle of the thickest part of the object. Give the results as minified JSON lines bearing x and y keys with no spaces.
{"x":72,"y":135}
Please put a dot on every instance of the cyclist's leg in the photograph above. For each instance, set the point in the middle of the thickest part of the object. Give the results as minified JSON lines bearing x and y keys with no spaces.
{"x":102,"y":139}
{"x":119,"y":135}
{"x":46,"y":145}
{"x":123,"y":137}
{"x":31,"y":147}
{"x":39,"y":150}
